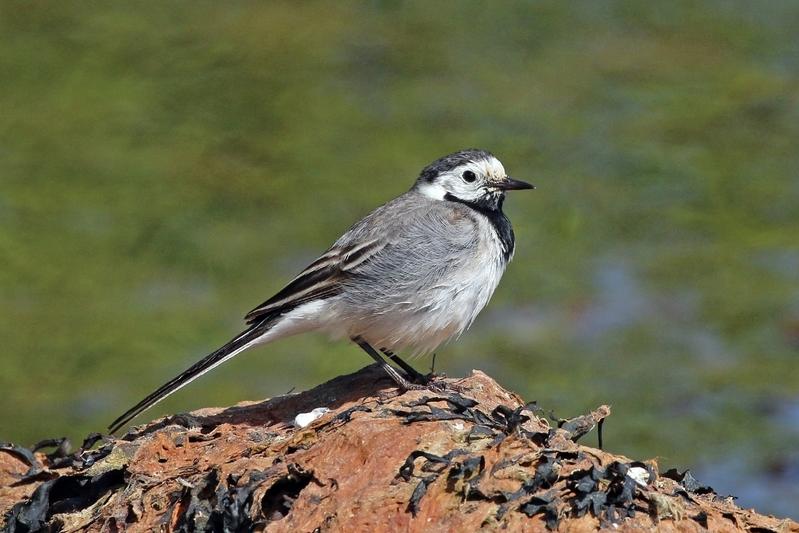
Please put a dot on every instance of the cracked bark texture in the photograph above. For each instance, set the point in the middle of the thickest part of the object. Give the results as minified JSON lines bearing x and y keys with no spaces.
{"x":474,"y":458}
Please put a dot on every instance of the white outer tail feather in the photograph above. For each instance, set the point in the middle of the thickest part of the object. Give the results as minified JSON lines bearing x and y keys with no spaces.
{"x":301,"y":319}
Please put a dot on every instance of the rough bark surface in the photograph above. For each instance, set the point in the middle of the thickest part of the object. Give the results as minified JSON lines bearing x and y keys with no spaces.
{"x":473,"y":457}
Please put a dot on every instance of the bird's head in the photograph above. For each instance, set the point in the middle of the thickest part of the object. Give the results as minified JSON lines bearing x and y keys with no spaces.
{"x":474,"y":177}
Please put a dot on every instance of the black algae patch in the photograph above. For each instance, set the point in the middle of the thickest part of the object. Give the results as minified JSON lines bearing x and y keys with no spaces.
{"x":212,"y":505}
{"x":35,"y":468}
{"x":418,"y":494}
{"x":344,"y":417}
{"x":546,"y":505}
{"x":280,"y":497}
{"x":608,"y":493}
{"x":432,"y":463}
{"x":688,"y":481}
{"x":500,"y":423}
{"x":701,"y":519}
{"x":66,"y":494}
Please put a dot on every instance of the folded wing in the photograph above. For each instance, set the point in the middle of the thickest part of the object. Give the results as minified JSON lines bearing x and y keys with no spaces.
{"x":320,"y":280}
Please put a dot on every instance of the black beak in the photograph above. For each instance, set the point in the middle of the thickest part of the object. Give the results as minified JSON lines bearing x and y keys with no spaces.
{"x":515,"y":185}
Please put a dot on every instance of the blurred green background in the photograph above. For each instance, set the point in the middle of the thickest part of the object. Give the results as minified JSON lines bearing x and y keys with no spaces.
{"x":165,"y":167}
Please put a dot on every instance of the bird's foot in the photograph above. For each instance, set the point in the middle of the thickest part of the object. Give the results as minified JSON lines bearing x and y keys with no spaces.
{"x":433,"y":382}
{"x":434,"y":387}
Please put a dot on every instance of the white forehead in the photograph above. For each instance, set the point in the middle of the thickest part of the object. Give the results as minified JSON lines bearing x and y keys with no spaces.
{"x":490,"y":168}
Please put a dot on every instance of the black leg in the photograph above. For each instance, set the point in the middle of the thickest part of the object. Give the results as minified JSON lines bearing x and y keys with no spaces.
{"x":415,"y":375}
{"x":390,"y":370}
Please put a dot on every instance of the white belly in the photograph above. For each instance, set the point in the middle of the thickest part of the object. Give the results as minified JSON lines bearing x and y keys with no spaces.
{"x":423,"y":321}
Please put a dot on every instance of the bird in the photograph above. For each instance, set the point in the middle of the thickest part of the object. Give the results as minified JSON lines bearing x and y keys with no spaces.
{"x":411,"y":275}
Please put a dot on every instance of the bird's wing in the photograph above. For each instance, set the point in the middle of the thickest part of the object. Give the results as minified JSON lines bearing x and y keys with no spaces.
{"x":411,"y":242}
{"x":320,"y":280}
{"x":404,"y":241}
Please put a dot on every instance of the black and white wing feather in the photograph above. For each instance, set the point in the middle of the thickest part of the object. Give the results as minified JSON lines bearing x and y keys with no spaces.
{"x":321,"y":280}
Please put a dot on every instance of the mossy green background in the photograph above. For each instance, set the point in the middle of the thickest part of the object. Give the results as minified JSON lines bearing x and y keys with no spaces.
{"x":165,"y":167}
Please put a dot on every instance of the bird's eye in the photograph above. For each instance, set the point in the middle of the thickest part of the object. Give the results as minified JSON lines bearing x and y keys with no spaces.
{"x":469,"y":176}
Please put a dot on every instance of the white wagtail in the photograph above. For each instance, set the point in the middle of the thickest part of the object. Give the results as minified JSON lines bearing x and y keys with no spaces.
{"x":412,"y":274}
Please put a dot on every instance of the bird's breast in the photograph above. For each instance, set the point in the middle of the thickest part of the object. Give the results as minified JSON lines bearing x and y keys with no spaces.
{"x":434,"y":313}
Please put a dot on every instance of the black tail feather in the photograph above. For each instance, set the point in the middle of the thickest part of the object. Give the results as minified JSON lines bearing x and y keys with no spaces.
{"x":190,"y":374}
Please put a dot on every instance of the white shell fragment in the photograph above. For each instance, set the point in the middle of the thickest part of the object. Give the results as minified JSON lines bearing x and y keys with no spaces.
{"x":639,"y":475}
{"x":304,"y":419}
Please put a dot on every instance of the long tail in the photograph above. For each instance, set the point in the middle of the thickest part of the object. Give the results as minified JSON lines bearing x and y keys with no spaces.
{"x":229,"y":350}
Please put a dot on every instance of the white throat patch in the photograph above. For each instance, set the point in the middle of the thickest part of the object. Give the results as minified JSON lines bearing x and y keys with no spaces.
{"x":432,"y":190}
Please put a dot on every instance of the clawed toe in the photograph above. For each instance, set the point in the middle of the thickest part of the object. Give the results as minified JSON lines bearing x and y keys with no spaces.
{"x":432,"y":382}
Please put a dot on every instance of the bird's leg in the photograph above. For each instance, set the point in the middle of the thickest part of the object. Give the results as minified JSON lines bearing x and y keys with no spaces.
{"x":414,"y":374}
{"x":432,"y":381}
{"x":390,"y":370}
